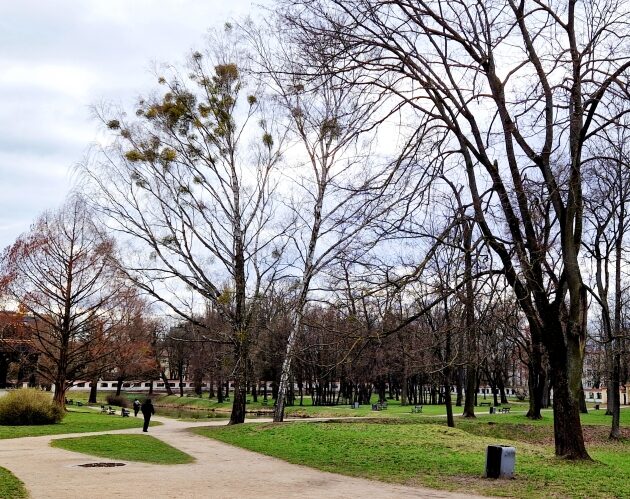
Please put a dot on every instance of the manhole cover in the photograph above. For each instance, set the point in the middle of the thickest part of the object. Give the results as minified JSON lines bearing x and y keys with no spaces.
{"x":101,"y":465}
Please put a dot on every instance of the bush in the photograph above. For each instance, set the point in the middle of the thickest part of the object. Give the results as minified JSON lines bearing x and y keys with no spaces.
{"x":118,"y":400}
{"x":29,"y":407}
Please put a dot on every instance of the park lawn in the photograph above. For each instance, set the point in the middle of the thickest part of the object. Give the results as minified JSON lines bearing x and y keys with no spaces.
{"x":10,"y":486}
{"x":142,"y":448}
{"x":75,"y":421}
{"x":424,"y":453}
{"x":307,"y":410}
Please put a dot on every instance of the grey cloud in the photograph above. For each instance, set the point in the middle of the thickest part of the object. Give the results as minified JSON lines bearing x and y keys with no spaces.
{"x":58,"y":59}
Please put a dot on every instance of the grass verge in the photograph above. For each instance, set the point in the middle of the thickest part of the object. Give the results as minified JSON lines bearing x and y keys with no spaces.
{"x":10,"y":486}
{"x":433,"y":455}
{"x":74,"y":422}
{"x":142,"y":448}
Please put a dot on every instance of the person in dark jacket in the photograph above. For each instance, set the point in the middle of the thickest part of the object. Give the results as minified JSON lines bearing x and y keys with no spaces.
{"x":136,"y":407}
{"x":147,"y":411}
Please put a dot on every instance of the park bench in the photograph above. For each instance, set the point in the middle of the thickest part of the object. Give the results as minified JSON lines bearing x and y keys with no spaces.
{"x":505,"y":410}
{"x":481,"y":404}
{"x":69,"y":402}
{"x":79,"y":403}
{"x":110,"y":410}
{"x":376,"y":407}
{"x":416,"y":409}
{"x":124,"y":412}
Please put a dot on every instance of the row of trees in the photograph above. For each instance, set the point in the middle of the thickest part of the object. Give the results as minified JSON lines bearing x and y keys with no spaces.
{"x":426,"y":173}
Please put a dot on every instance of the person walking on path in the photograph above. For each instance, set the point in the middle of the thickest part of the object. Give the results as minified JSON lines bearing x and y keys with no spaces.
{"x":147,"y":411}
{"x":136,"y":408}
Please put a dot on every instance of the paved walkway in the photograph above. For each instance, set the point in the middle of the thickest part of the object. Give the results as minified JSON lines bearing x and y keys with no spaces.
{"x":220,"y":471}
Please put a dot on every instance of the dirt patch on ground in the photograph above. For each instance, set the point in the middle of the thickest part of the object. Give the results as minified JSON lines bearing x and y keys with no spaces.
{"x":539,"y":434}
{"x":599,"y":434}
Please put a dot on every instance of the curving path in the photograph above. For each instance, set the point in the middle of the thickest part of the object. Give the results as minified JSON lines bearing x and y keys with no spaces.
{"x":220,"y":471}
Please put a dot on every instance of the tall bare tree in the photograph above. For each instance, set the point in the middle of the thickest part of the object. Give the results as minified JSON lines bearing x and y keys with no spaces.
{"x":608,"y":195}
{"x":61,"y":272}
{"x":190,"y":181}
{"x":512,"y":91}
{"x":333,"y":179}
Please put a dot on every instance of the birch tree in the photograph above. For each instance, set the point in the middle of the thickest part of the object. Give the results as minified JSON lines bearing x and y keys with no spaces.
{"x":334,"y":174}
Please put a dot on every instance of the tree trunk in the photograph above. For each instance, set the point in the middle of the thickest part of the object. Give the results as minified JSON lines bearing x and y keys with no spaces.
{"x":167,"y":385}
{"x":566,"y":359}
{"x":278,"y":415}
{"x":93,"y":389}
{"x":220,"y":390}
{"x":450,"y":421}
{"x":583,"y":408}
{"x":240,"y":385}
{"x":504,"y":399}
{"x":537,"y":379}
{"x":119,"y":383}
{"x":59,"y":397}
{"x":615,"y":432}
{"x":211,"y":393}
{"x":459,"y":386}
{"x":470,"y":394}
{"x":471,"y":368}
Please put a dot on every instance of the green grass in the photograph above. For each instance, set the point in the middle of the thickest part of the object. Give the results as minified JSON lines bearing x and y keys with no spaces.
{"x":74,"y":422}
{"x":10,"y":486}
{"x":141,"y":448}
{"x":426,"y":452}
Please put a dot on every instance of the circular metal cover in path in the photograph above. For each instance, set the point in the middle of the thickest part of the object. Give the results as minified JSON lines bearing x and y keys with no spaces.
{"x":101,"y":465}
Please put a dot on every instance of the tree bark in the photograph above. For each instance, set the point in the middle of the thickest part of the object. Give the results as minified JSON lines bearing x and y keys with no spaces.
{"x":566,"y":361}
{"x":240,"y":385}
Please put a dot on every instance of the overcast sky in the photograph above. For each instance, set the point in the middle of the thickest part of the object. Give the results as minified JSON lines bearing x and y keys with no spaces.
{"x":57,"y":58}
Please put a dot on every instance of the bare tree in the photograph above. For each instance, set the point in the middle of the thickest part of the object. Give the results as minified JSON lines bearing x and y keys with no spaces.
{"x":334,"y":179}
{"x":512,"y":91}
{"x":608,"y":195}
{"x":61,"y":272}
{"x":190,"y":181}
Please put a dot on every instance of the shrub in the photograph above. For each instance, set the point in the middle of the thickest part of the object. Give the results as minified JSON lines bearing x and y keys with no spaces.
{"x":118,"y":400}
{"x":29,"y":407}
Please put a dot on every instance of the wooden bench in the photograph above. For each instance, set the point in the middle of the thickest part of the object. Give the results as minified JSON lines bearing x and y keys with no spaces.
{"x":481,"y":404}
{"x":124,"y":412}
{"x":376,"y":407}
{"x":504,"y":410}
{"x":416,"y":409}
{"x":79,"y":403}
{"x":110,"y":410}
{"x":103,"y":409}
